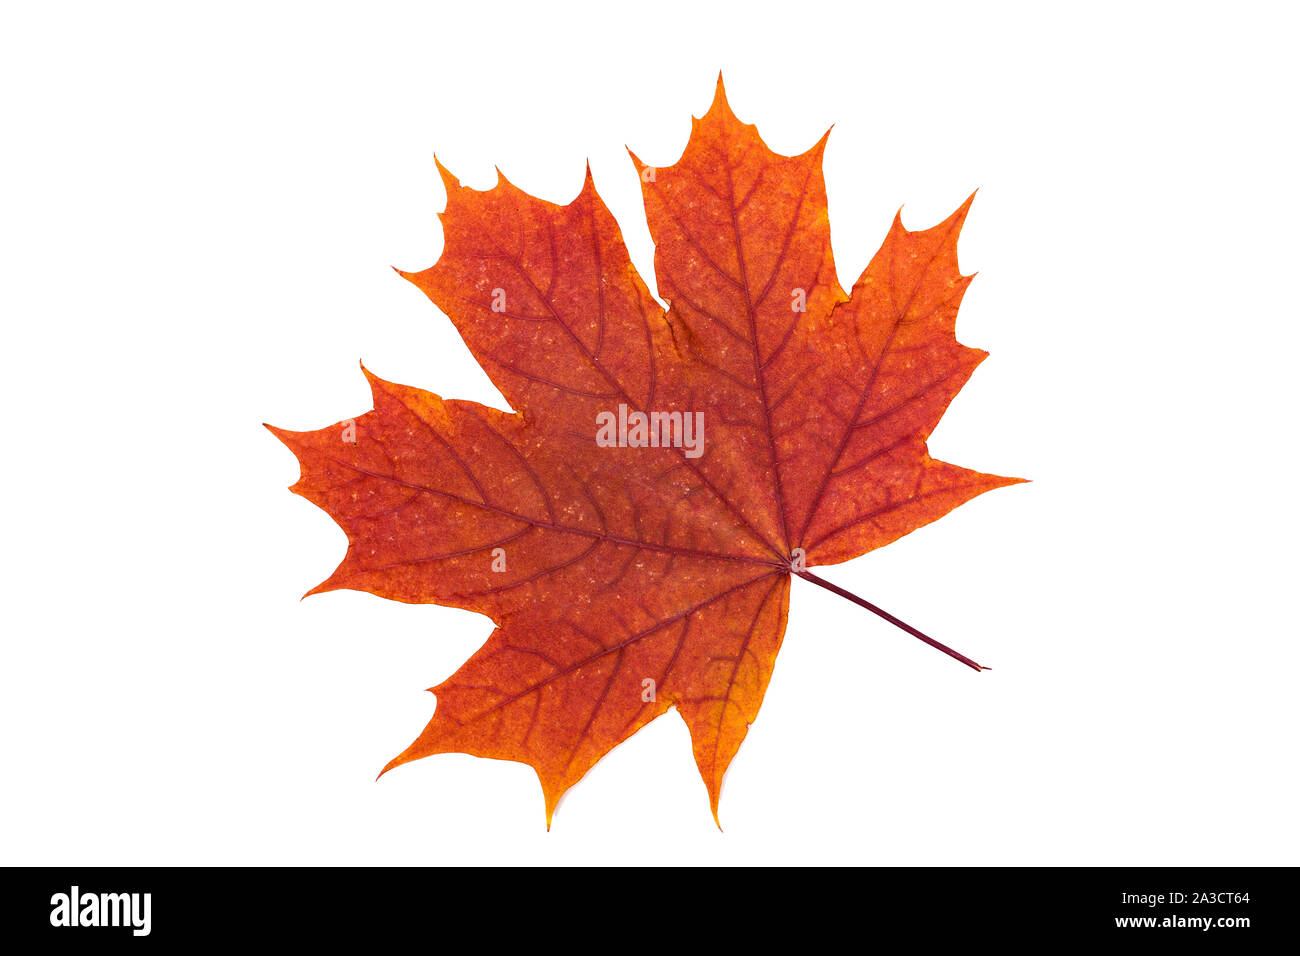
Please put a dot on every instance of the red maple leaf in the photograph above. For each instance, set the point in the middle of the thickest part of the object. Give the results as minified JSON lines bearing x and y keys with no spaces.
{"x":633,"y":526}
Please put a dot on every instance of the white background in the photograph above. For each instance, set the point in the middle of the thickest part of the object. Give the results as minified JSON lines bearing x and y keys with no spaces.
{"x":200,"y":209}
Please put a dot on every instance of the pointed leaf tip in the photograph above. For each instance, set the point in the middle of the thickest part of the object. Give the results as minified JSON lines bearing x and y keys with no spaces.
{"x":719,"y":109}
{"x":820,"y":146}
{"x":449,"y":181}
{"x":964,"y":208}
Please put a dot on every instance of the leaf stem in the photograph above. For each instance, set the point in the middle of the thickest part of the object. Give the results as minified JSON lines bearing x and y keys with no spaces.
{"x":822,"y":582}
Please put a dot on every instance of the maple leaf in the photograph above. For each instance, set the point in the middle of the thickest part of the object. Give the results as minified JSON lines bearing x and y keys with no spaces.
{"x":631,"y":575}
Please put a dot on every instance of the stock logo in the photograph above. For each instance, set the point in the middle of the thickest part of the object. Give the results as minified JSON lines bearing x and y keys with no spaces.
{"x":75,"y":908}
{"x":633,"y":429}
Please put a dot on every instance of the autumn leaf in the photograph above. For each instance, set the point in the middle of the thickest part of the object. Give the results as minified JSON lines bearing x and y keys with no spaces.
{"x":633,"y":526}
